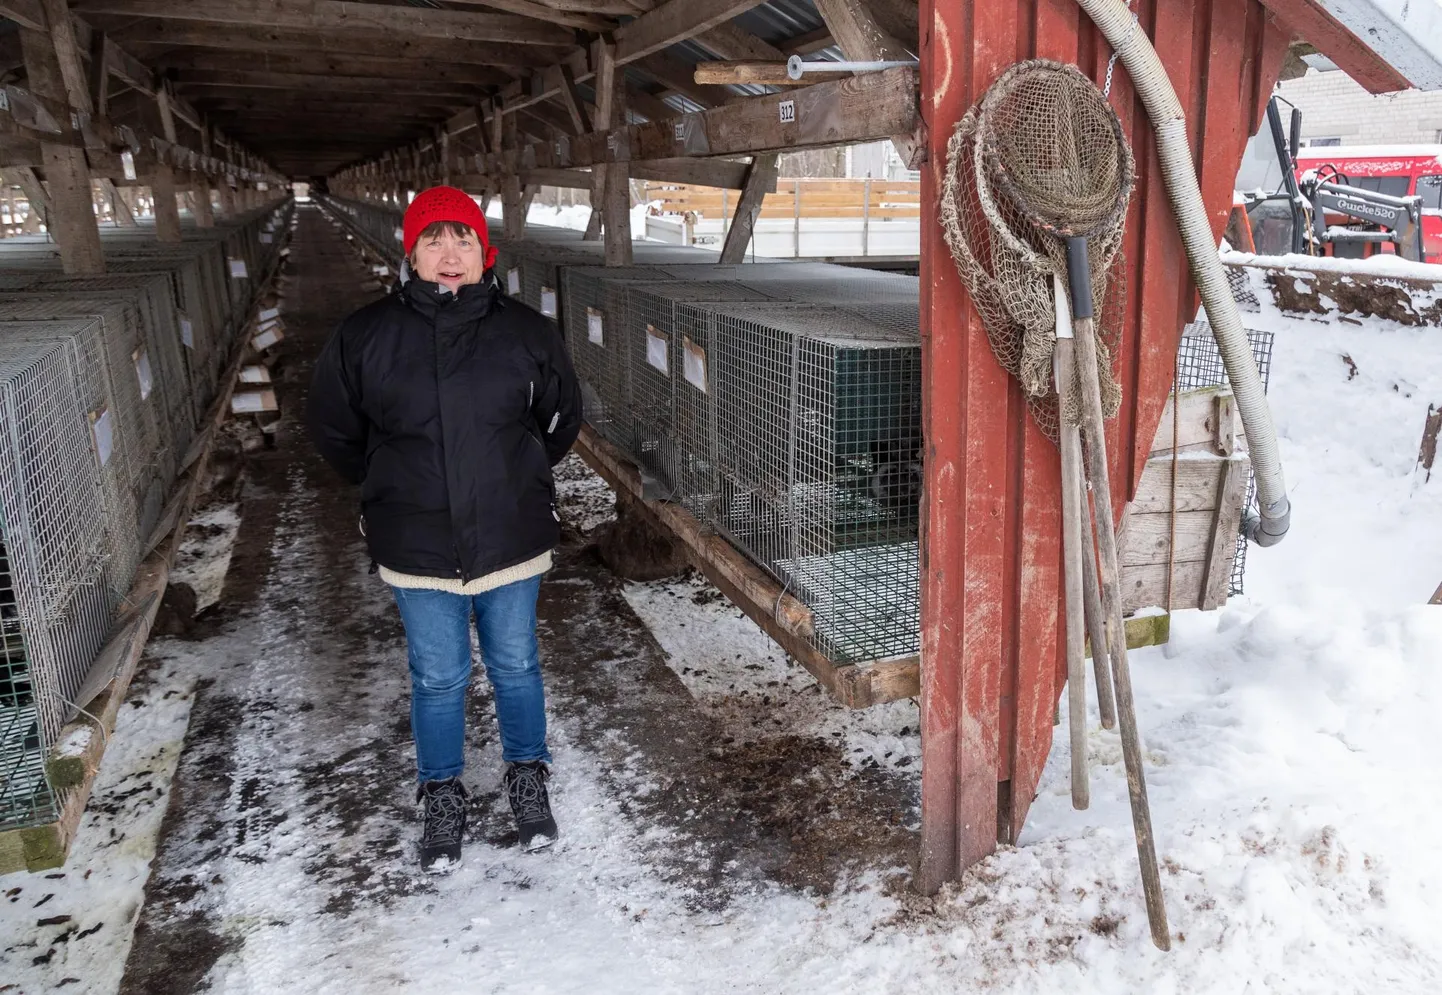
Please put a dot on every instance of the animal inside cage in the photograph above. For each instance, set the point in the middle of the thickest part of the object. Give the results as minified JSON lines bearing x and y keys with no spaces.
{"x":54,"y":606}
{"x":1199,"y":364}
{"x":816,"y":449}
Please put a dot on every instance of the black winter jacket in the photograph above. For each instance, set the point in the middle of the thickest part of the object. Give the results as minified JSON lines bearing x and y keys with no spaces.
{"x":449,"y":411}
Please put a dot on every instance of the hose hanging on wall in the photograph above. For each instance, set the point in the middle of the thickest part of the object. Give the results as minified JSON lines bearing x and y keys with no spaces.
{"x":1135,"y":50}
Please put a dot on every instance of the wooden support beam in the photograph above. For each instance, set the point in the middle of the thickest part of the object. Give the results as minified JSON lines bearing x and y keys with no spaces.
{"x":862,"y":39}
{"x":759,"y":177}
{"x":730,"y":41}
{"x":1309,"y":20}
{"x":459,"y":93}
{"x":755,"y":73}
{"x":200,"y":190}
{"x":673,"y":21}
{"x":571,"y":100}
{"x":335,"y":15}
{"x":100,"y":49}
{"x":809,"y":43}
{"x":293,"y":64}
{"x":618,"y":184}
{"x":68,"y":55}
{"x":29,"y":14}
{"x":71,"y":217}
{"x":167,"y":212}
{"x":119,"y":207}
{"x":150,"y":35}
{"x":722,"y":173}
{"x":649,"y":106}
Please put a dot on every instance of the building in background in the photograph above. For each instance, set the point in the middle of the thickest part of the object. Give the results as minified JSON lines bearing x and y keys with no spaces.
{"x":1336,"y":110}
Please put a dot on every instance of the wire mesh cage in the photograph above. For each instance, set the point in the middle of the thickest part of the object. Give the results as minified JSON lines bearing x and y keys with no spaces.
{"x":817,"y":449}
{"x":180,"y":371}
{"x":137,"y":386}
{"x":54,"y":608}
{"x":1199,"y":364}
{"x":109,"y":444}
{"x":660,"y":355}
{"x":594,"y":319}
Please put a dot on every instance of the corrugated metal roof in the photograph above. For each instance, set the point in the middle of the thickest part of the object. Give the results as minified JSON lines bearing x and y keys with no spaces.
{"x":781,"y":20}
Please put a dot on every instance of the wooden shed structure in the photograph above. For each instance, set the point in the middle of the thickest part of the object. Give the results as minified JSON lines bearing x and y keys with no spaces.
{"x":374,"y":99}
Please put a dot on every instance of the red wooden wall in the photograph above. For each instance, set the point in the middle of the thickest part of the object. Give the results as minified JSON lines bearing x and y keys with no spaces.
{"x":991,"y":571}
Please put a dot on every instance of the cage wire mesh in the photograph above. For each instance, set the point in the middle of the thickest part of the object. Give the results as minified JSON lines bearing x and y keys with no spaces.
{"x":109,"y":446}
{"x":656,"y":353}
{"x":53,"y":609}
{"x":817,"y":435}
{"x":1199,"y":364}
{"x":139,"y":386}
{"x":86,"y":448}
{"x":1040,"y":157}
{"x":594,"y":317}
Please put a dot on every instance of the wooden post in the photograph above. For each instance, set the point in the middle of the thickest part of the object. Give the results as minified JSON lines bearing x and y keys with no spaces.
{"x":618,"y":185}
{"x":71,"y":214}
{"x":200,"y":189}
{"x":227,"y":198}
{"x":167,"y":212}
{"x":124,"y":216}
{"x":760,"y":177}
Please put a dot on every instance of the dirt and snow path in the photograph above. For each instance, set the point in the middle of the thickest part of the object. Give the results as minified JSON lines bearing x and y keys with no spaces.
{"x":725,"y":827}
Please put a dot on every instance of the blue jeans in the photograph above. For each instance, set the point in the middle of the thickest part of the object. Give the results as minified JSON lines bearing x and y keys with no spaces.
{"x":438,"y":642}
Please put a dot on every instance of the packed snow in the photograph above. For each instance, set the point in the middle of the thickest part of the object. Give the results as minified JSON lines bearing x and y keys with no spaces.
{"x":1295,"y":788}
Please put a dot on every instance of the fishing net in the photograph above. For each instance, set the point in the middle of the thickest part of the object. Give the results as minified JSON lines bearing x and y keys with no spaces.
{"x":1041,"y":157}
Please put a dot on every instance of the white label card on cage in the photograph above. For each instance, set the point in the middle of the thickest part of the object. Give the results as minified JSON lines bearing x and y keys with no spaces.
{"x":142,"y":373}
{"x":127,"y":164}
{"x":595,"y":327}
{"x":265,"y":340}
{"x":187,"y":332}
{"x":103,"y":429}
{"x":266,"y":238}
{"x":269,"y":313}
{"x":237,"y":269}
{"x":513,"y":282}
{"x":548,"y":302}
{"x":658,"y":350}
{"x":786,"y":110}
{"x":693,"y":364}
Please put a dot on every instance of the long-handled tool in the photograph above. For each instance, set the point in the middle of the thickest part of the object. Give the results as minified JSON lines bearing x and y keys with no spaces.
{"x":1069,"y":442}
{"x":1094,"y":426}
{"x":1096,"y":626}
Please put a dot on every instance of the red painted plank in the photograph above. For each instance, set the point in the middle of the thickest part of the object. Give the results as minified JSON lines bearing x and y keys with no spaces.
{"x":991,"y":616}
{"x":1040,"y":660}
{"x":942,"y":527}
{"x":1308,"y":20}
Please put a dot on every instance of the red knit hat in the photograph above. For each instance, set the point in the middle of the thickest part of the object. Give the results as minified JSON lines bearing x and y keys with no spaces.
{"x":445,"y":204}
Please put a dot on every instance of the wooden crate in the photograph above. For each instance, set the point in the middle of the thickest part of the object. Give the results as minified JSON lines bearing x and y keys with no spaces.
{"x":1202,"y":515}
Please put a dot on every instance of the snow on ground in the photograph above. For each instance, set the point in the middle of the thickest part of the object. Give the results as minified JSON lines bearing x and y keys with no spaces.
{"x":204,"y":556}
{"x":69,"y":930}
{"x":1294,"y":782}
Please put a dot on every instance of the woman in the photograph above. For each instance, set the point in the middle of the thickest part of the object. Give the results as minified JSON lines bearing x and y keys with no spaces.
{"x":449,"y":404}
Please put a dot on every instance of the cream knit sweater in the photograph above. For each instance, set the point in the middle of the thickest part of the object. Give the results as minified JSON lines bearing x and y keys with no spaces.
{"x":499,"y":578}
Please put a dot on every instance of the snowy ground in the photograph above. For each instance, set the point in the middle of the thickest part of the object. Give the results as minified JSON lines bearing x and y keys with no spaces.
{"x":1293,"y":772}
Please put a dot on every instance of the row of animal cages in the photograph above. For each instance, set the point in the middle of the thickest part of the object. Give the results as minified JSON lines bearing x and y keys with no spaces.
{"x":104,"y":384}
{"x":779,"y":404}
{"x":377,"y":225}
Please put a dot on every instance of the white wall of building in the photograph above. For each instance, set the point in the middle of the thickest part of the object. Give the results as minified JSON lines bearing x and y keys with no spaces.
{"x":1334,"y":106}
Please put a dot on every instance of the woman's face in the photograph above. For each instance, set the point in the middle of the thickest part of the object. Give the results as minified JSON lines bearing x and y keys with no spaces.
{"x":449,"y":259}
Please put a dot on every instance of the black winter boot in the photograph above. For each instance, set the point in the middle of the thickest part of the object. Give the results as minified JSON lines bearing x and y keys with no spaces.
{"x":444,"y":804}
{"x":525,"y":785}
